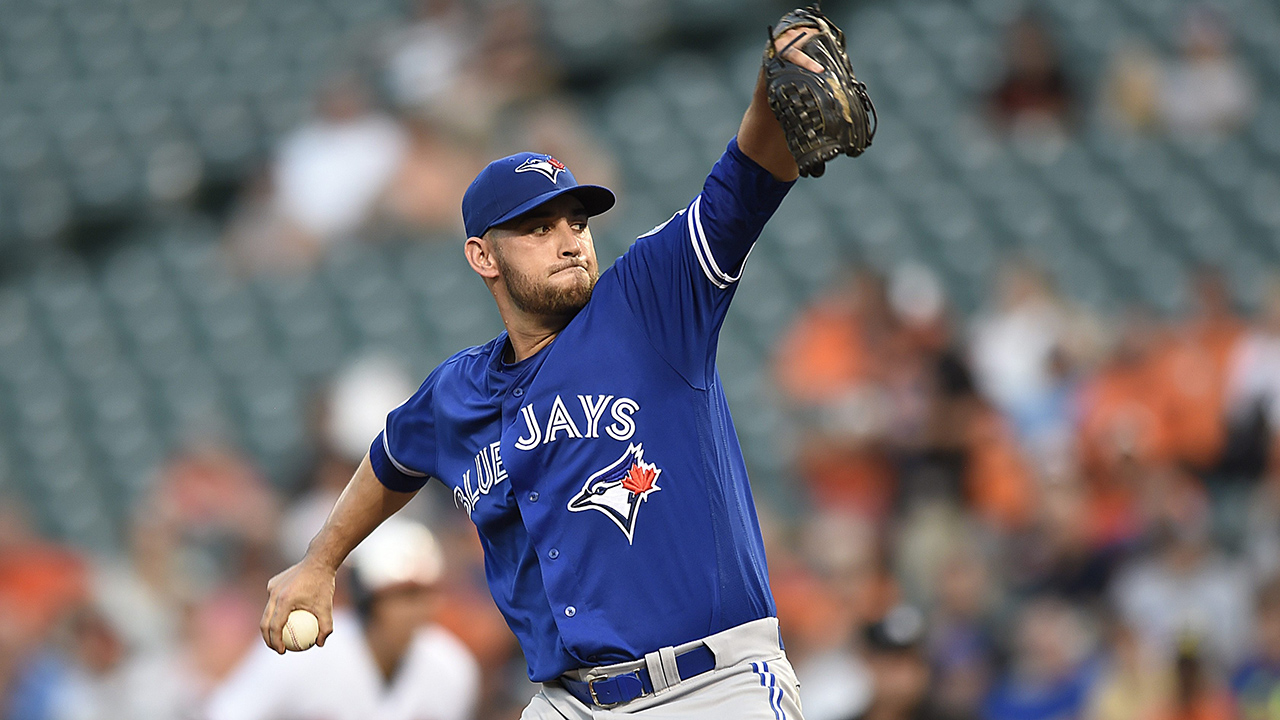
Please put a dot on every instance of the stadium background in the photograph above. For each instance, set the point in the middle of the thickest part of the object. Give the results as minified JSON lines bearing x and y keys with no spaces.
{"x":1014,"y":368}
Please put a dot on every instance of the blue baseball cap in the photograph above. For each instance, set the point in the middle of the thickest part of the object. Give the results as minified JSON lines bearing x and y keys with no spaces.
{"x":516,"y":184}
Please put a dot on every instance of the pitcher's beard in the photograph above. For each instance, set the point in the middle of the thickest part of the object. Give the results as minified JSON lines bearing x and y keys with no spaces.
{"x":546,"y":300}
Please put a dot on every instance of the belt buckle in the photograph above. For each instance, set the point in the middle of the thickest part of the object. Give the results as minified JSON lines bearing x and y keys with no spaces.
{"x":591,"y":686}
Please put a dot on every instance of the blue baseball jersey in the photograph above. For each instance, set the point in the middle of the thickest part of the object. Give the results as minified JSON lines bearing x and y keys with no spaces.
{"x":603,"y":474}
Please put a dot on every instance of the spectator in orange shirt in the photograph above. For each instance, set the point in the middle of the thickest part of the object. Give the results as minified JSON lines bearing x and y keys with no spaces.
{"x":40,"y":584}
{"x":39,"y":581}
{"x":830,"y":367}
{"x":1125,"y":406}
{"x":1194,"y":368}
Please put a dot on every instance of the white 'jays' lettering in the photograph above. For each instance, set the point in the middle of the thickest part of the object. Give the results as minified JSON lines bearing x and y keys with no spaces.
{"x":594,"y":411}
{"x":560,"y":423}
{"x":624,"y":427}
{"x":535,"y":430}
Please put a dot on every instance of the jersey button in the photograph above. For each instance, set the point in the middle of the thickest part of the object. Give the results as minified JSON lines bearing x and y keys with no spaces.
{"x":553,"y":553}
{"x":518,"y":392}
{"x":533,"y":497}
{"x":570,"y":611}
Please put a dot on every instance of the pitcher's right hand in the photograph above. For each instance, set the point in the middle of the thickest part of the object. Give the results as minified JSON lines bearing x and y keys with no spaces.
{"x":309,"y":585}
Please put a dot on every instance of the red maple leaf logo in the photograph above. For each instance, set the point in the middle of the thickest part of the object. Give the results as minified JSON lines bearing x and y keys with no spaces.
{"x":555,"y":163}
{"x":639,"y":479}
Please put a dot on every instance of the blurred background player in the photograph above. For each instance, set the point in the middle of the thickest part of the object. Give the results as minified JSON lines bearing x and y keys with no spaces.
{"x":895,"y":649}
{"x":388,"y":661}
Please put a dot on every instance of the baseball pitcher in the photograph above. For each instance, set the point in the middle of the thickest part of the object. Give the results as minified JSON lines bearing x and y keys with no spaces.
{"x":591,"y":443}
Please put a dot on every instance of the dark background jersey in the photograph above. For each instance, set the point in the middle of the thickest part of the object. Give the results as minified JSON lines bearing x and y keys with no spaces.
{"x":603,"y":474}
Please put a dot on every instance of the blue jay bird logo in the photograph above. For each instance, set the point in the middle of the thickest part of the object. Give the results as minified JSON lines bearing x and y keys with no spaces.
{"x":548,"y":166}
{"x":618,"y":490}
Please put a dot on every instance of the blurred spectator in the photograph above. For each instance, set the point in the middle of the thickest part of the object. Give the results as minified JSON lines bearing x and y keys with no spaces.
{"x":1256,"y":681}
{"x":824,"y":601}
{"x":1194,"y":366}
{"x":1133,"y":684}
{"x":40,"y":583}
{"x":427,"y":190}
{"x":1252,"y":403}
{"x":998,"y":480}
{"x":1186,"y":587}
{"x":962,"y":638}
{"x":887,"y":403}
{"x":1124,"y":428}
{"x":1206,"y":92}
{"x":105,"y":678}
{"x":348,"y":415}
{"x":899,"y":668}
{"x":211,"y":525}
{"x":831,"y":367}
{"x":352,"y":412}
{"x":515,"y":65}
{"x":221,"y":514}
{"x":330,"y":172}
{"x":40,"y":580}
{"x":1131,"y":88}
{"x":1014,"y":340}
{"x":931,"y":393}
{"x":359,"y":398}
{"x":324,"y":183}
{"x":1051,"y":670}
{"x":523,"y":103}
{"x":473,"y":95}
{"x":465,"y":609}
{"x":425,"y":59}
{"x":1024,"y":350}
{"x":1034,"y":97}
{"x":1262,"y":525}
{"x":923,"y":538}
{"x":304,"y":517}
{"x":386,"y":660}
{"x":1070,"y":551}
{"x":506,"y":64}
{"x":1198,"y":694}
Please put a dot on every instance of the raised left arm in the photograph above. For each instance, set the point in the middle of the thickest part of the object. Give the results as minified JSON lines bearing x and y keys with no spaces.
{"x":760,"y":136}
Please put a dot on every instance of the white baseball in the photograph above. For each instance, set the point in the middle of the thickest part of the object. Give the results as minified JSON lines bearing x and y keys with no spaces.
{"x":300,"y":630}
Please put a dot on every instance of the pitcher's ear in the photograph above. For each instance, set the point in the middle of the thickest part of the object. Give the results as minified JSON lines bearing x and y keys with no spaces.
{"x":479,"y":252}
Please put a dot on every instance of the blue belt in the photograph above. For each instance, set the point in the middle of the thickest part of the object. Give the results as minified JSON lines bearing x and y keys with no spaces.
{"x":606,"y":692}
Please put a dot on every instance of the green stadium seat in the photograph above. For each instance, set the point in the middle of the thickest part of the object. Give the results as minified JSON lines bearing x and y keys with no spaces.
{"x":1162,"y":282}
{"x":24,"y":143}
{"x":997,"y":13}
{"x":1263,"y":199}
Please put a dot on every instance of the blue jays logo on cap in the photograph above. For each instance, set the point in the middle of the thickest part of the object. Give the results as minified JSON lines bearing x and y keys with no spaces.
{"x":618,"y":490}
{"x":548,"y":166}
{"x":516,"y":184}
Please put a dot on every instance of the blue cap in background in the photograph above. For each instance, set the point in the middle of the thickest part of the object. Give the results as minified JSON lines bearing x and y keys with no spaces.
{"x":516,"y":184}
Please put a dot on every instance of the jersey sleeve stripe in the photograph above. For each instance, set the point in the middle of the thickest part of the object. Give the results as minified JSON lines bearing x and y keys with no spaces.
{"x":706,"y":247}
{"x":387,"y":448}
{"x":722,"y":279}
{"x":698,"y":247}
